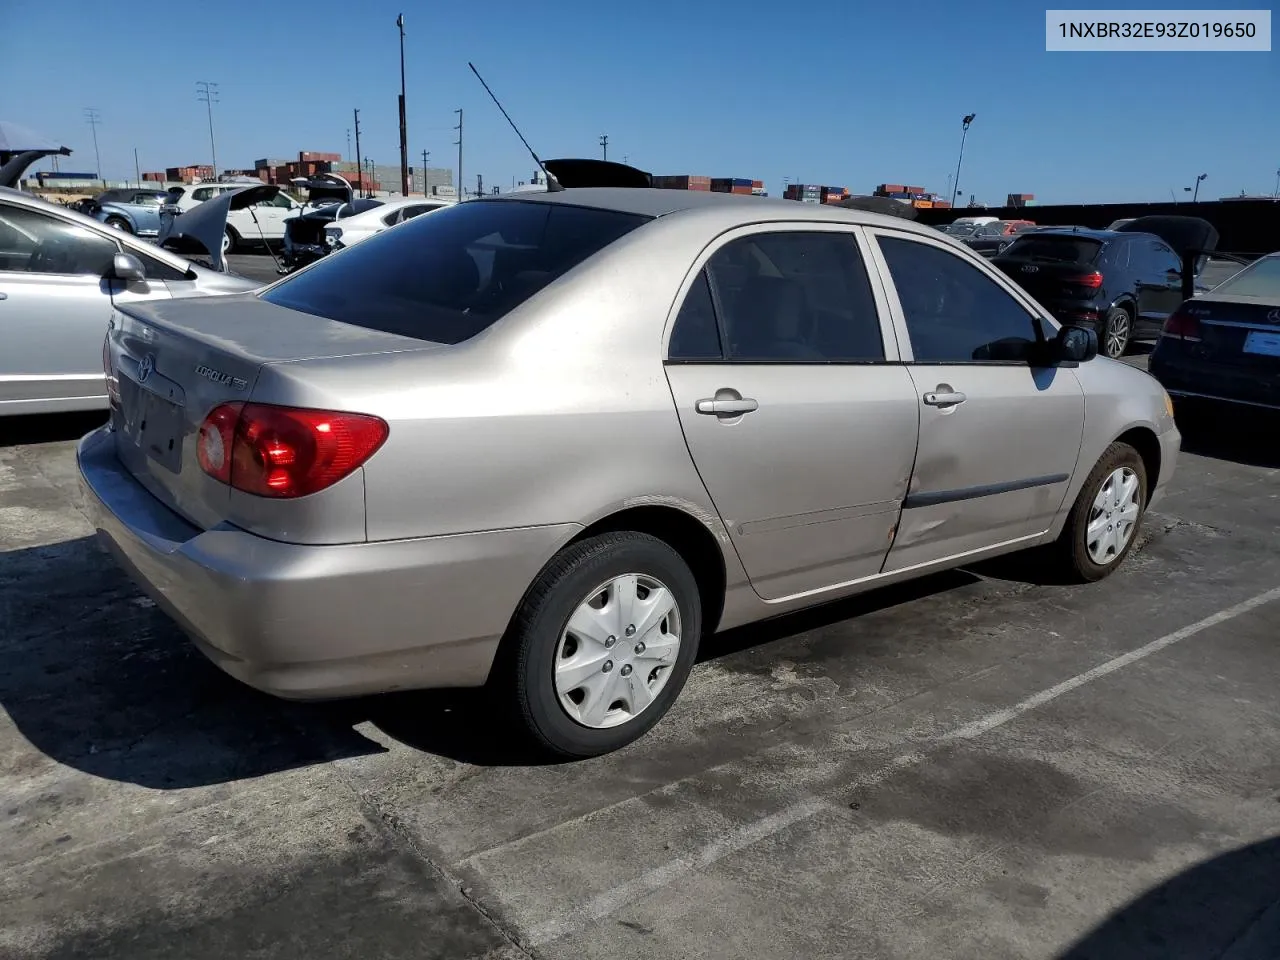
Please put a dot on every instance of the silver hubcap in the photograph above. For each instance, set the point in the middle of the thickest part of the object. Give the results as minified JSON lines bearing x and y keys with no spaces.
{"x":1117,"y":334}
{"x":1114,"y":516}
{"x":617,"y":651}
{"x":226,"y":242}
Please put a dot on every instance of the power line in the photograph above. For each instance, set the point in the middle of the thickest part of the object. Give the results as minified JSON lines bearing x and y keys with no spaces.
{"x":207,"y":93}
{"x":93,"y":118}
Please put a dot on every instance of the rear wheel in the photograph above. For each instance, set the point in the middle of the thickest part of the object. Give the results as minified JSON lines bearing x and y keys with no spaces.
{"x":1118,"y":332}
{"x":1106,"y":516}
{"x":602,"y":644}
{"x":119,"y":223}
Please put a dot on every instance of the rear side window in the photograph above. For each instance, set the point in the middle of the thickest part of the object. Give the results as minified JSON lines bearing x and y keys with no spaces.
{"x":1259,"y":279}
{"x":447,"y":277}
{"x":174,"y":194}
{"x":1058,"y":249}
{"x":695,"y":336}
{"x":204,"y":193}
{"x":796,"y":297}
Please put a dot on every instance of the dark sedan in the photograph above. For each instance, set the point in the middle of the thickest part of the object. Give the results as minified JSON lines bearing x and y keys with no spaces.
{"x":1225,"y":345}
{"x":992,"y":238}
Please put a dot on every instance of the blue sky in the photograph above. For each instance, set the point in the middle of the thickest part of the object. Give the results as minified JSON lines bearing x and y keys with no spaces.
{"x":827,"y":92}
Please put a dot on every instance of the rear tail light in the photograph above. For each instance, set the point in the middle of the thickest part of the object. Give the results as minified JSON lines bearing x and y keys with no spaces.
{"x":1181,"y":325}
{"x":1091,"y":280}
{"x":285,"y":452}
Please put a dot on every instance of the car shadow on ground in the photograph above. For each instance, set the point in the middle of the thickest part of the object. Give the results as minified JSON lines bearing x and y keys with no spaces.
{"x":1237,"y":434}
{"x":1228,"y":906}
{"x":55,"y":428}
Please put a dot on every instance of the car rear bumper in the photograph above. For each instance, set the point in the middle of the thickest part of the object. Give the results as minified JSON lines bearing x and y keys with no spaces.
{"x":304,"y":622}
{"x":1185,"y":376}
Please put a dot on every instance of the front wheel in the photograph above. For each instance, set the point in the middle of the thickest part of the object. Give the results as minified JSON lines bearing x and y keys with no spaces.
{"x":602,"y":644}
{"x":230,"y":239}
{"x":1106,"y":516}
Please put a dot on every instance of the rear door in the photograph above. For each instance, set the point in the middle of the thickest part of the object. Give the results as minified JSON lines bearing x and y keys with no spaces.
{"x":54,"y":307}
{"x":799,"y":418}
{"x":999,"y":437}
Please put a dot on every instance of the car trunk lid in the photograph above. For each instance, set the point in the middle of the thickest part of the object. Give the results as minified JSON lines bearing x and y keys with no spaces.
{"x":172,"y":363}
{"x":1240,"y":331}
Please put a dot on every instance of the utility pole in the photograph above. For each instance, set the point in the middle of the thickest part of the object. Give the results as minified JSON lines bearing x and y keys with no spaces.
{"x":479,"y":185}
{"x":425,"y":155}
{"x":968,"y":119}
{"x":348,"y":143}
{"x":137,"y":169}
{"x":207,"y":93}
{"x":626,"y":157}
{"x":359,"y":165}
{"x":604,"y":145}
{"x":404,"y":129}
{"x":461,"y":191}
{"x":93,"y":117}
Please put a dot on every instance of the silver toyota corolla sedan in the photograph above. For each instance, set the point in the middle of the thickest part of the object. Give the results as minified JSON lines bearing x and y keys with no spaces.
{"x":60,"y":274}
{"x":548,"y":443}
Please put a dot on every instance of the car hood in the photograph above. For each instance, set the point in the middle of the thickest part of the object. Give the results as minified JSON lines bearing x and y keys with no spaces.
{"x":207,"y":223}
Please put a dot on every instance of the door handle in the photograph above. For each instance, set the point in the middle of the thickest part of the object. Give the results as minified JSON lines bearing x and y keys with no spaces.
{"x":948,"y":398}
{"x":727,"y":408}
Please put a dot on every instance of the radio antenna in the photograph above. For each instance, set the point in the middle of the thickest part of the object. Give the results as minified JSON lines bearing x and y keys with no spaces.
{"x":553,"y":185}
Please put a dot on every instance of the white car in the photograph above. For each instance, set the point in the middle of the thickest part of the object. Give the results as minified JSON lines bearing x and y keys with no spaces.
{"x":258,"y":223}
{"x":351,"y":230}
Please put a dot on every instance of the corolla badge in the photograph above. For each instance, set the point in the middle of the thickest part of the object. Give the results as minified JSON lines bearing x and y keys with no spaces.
{"x":145,"y":366}
{"x":217,"y":376}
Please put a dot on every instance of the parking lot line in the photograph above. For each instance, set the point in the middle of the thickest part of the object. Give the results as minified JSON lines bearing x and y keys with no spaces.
{"x":614,"y":899}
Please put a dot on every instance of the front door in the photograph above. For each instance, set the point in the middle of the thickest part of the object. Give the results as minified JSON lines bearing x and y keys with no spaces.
{"x":1160,"y":285}
{"x":799,"y":420}
{"x":54,"y":307}
{"x":999,"y":436}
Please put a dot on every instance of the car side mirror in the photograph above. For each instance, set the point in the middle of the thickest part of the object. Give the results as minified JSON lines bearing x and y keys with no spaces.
{"x":125,"y":266}
{"x":1077,"y":344}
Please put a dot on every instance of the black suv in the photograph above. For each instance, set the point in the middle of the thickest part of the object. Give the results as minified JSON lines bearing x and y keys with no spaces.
{"x":1122,"y":284}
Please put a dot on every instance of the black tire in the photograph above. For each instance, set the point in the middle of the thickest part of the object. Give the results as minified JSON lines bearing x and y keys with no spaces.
{"x":1071,"y":551}
{"x":232,"y":242}
{"x":1117,"y":332}
{"x":119,"y":223}
{"x":525,"y":679}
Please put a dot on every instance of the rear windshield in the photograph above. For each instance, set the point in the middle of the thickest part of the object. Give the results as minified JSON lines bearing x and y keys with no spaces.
{"x":1259,"y":279}
{"x":446,"y":277}
{"x":1060,"y":249}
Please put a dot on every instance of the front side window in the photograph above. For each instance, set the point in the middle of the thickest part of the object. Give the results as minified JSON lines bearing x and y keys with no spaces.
{"x":797,"y":297}
{"x":954,"y":312}
{"x":31,"y":242}
{"x":447,"y":277}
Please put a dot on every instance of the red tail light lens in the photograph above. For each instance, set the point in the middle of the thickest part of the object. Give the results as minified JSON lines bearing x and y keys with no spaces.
{"x":285,"y":452}
{"x":1091,"y":280}
{"x":1182,"y":325}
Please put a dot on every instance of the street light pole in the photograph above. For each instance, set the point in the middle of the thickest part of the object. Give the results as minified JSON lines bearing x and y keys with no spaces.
{"x":964,"y":132}
{"x":1195,"y":196}
{"x":208,"y":95}
{"x":404,"y":130}
{"x":461,"y":190}
{"x":93,"y":118}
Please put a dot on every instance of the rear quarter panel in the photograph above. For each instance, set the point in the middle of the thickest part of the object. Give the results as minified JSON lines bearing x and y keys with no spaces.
{"x":1118,"y":398}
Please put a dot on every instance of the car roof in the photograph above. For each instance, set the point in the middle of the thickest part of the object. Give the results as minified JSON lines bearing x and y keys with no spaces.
{"x":1092,"y":234}
{"x":654,"y":202}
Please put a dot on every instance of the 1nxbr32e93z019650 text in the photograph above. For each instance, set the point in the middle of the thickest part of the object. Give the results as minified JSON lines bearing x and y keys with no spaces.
{"x":1158,"y":30}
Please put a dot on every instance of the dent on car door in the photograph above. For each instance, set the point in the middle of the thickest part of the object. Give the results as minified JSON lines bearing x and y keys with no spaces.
{"x":801,"y":425}
{"x":999,"y":435}
{"x":54,"y":306}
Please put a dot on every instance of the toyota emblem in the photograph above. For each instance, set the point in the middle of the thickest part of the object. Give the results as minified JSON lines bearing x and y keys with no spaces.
{"x":145,"y":366}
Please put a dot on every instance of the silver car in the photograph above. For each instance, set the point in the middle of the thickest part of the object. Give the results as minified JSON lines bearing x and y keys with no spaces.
{"x":60,"y":274}
{"x":548,"y":443}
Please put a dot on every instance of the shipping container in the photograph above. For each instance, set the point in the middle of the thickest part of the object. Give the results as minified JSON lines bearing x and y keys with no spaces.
{"x":942,"y":204}
{"x":922,"y":204}
{"x":891,"y":188}
{"x":915,"y":189}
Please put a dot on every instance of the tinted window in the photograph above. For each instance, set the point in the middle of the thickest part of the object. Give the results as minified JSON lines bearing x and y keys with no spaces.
{"x":1057,"y":249}
{"x":204,"y":193}
{"x":415,"y":211}
{"x":1259,"y":279}
{"x":795,"y":297}
{"x":446,"y":278}
{"x":158,"y":269}
{"x":34,"y":243}
{"x":174,"y":194}
{"x":955,"y":312}
{"x":695,"y":336}
{"x":1162,"y":258}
